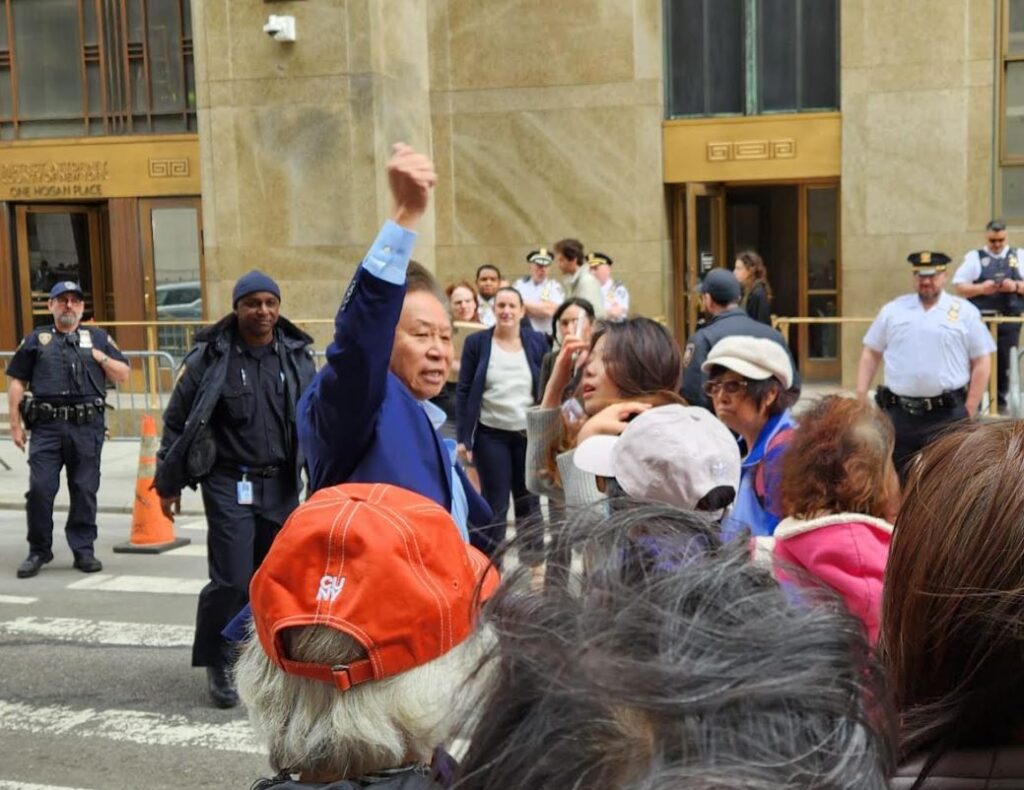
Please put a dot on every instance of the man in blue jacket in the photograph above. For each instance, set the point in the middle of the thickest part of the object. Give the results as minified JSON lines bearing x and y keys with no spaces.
{"x":367,"y":417}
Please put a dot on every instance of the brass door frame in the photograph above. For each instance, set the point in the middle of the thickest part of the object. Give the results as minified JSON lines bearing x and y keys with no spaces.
{"x":98,"y":280}
{"x":716,"y":195}
{"x":817,"y":369}
{"x":146,"y":207}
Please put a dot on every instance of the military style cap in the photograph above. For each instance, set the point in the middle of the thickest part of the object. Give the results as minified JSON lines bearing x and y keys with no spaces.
{"x":64,"y":287}
{"x":541,"y":257}
{"x":595,"y":259}
{"x":928,"y":263}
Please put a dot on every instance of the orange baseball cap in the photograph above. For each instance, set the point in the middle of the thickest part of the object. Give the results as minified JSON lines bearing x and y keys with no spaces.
{"x":384,"y":565}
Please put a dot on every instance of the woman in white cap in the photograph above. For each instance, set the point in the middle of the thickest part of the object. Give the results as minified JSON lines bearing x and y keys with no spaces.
{"x":749,"y":382}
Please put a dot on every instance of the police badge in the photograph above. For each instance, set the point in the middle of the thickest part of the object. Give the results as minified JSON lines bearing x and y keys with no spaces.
{"x":1012,"y":260}
{"x":45,"y":338}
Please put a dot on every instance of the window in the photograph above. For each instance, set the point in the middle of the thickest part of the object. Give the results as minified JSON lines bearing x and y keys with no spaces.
{"x":736,"y":57}
{"x":1011,"y":111}
{"x":71,"y":68}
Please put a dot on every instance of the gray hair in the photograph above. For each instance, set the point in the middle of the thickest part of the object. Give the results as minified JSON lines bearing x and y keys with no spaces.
{"x":668,"y":660}
{"x":311,"y":726}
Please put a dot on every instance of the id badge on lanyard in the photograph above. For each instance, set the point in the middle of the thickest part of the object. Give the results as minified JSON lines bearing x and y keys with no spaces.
{"x":244,"y":489}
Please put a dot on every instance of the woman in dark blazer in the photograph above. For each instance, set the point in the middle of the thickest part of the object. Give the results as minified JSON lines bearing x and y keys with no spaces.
{"x":497,"y":381}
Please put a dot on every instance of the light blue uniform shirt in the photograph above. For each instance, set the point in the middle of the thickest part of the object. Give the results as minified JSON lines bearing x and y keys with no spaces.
{"x":388,"y":259}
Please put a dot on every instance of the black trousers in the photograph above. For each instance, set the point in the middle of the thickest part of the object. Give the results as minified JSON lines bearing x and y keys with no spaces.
{"x":500,"y":458}
{"x":1007,"y":336}
{"x":55,"y":444}
{"x":915,"y":431}
{"x":238,"y":538}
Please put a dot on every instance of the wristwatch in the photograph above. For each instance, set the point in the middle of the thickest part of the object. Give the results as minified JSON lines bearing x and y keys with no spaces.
{"x":105,"y":360}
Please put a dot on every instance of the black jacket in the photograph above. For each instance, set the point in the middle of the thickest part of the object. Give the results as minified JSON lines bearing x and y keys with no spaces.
{"x":187,"y":451}
{"x":758,"y":305}
{"x":731,"y":322}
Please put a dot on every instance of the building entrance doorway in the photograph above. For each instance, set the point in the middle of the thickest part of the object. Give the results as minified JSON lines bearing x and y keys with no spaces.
{"x":795,"y":229}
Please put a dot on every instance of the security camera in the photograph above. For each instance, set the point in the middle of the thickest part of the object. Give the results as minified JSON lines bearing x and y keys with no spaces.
{"x":280,"y":28}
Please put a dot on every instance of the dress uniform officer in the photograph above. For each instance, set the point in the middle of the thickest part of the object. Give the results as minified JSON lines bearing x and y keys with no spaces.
{"x":541,"y":294}
{"x":936,"y":350}
{"x":616,"y":295}
{"x":58,"y":391}
{"x":230,"y":425}
{"x":991,"y":278}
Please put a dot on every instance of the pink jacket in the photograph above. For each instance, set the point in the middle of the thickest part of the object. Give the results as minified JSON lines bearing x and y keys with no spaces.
{"x":847,"y":551}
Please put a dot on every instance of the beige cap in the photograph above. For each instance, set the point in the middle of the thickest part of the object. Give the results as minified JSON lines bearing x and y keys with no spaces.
{"x":672,"y":454}
{"x":755,"y":358}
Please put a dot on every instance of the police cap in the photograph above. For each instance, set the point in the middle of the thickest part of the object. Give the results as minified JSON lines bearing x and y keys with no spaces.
{"x":595,"y":259}
{"x":541,"y":257}
{"x":928,"y":263}
{"x":66,"y":286}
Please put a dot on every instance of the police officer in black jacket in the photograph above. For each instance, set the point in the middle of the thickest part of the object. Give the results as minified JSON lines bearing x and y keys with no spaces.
{"x":58,"y":392}
{"x":720,"y":298}
{"x":230,"y":425}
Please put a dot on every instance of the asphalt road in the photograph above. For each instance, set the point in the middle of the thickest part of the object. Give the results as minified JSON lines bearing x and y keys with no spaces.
{"x":96,"y":690}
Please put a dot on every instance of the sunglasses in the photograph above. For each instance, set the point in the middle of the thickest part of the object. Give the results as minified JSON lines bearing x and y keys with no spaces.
{"x":731,"y":387}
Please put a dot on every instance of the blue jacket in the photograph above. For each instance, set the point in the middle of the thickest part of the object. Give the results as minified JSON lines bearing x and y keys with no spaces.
{"x":358,"y":423}
{"x":476,"y":355}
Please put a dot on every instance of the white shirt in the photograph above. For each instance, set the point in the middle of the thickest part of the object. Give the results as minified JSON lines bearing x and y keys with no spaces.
{"x":616,"y":293}
{"x":970,"y":268}
{"x":485,"y":309}
{"x":547,"y":290}
{"x":508,"y":390}
{"x":928,"y":352}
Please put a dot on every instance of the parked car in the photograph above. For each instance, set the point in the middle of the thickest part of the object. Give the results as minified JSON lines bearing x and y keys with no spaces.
{"x":179,"y":301}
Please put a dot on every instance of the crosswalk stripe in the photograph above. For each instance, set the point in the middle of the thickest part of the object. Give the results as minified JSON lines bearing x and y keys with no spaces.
{"x":199,"y":526}
{"x":13,"y":784}
{"x":191,"y":550}
{"x":134,"y":726}
{"x":99,"y":632}
{"x":140,"y":584}
{"x":17,"y":599}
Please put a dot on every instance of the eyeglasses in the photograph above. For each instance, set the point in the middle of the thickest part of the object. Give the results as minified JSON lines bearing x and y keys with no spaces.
{"x":730,"y":387}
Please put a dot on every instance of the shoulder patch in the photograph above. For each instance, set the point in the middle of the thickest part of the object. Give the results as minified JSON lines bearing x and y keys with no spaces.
{"x":688,"y":354}
{"x":181,"y":372}
{"x":110,"y":341}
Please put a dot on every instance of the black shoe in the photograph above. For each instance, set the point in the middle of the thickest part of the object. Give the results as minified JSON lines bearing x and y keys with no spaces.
{"x":88,"y":564}
{"x":221,"y":687}
{"x":30,"y":567}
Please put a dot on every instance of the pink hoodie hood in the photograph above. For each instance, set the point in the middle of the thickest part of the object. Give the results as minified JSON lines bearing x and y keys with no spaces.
{"x":847,"y":551}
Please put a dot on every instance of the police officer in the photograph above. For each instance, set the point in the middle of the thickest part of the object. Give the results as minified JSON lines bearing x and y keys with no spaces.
{"x":616,"y":295}
{"x":58,"y":392}
{"x":541,"y":294}
{"x":992,"y":280}
{"x":720,"y":294}
{"x":936,"y":350}
{"x":230,"y":425}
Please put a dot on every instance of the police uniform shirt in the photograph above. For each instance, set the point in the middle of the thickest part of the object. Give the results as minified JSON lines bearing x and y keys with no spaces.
{"x":615,"y":292}
{"x":927,"y":352}
{"x":547,"y":290}
{"x":971,"y":269}
{"x":249,"y":419}
{"x":71,"y":374}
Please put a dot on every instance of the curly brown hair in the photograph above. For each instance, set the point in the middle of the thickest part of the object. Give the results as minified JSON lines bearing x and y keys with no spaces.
{"x":839,"y":460}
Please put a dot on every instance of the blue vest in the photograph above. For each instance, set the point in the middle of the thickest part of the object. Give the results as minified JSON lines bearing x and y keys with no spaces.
{"x":64,"y":372}
{"x":998,"y":269}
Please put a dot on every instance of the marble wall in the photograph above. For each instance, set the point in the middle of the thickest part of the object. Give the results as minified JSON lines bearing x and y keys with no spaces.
{"x":543,"y":117}
{"x":917,"y":143}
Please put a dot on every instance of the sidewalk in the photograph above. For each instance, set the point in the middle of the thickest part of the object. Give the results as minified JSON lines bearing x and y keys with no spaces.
{"x":119,"y":467}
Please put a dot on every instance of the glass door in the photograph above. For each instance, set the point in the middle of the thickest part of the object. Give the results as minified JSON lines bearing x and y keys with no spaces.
{"x":820,"y":281}
{"x":700,"y":244}
{"x":173,"y":282}
{"x":57,"y":243}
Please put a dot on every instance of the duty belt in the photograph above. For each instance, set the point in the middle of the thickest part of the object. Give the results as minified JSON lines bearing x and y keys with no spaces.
{"x":249,"y":471}
{"x":950,"y":399}
{"x":75,"y":412}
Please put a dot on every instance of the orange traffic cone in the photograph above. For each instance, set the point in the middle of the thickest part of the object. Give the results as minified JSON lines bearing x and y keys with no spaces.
{"x":152,"y":531}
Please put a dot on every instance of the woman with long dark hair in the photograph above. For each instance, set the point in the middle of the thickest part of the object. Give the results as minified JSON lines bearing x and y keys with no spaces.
{"x":626,"y":368}
{"x":750,"y":270}
{"x":953,"y":612}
